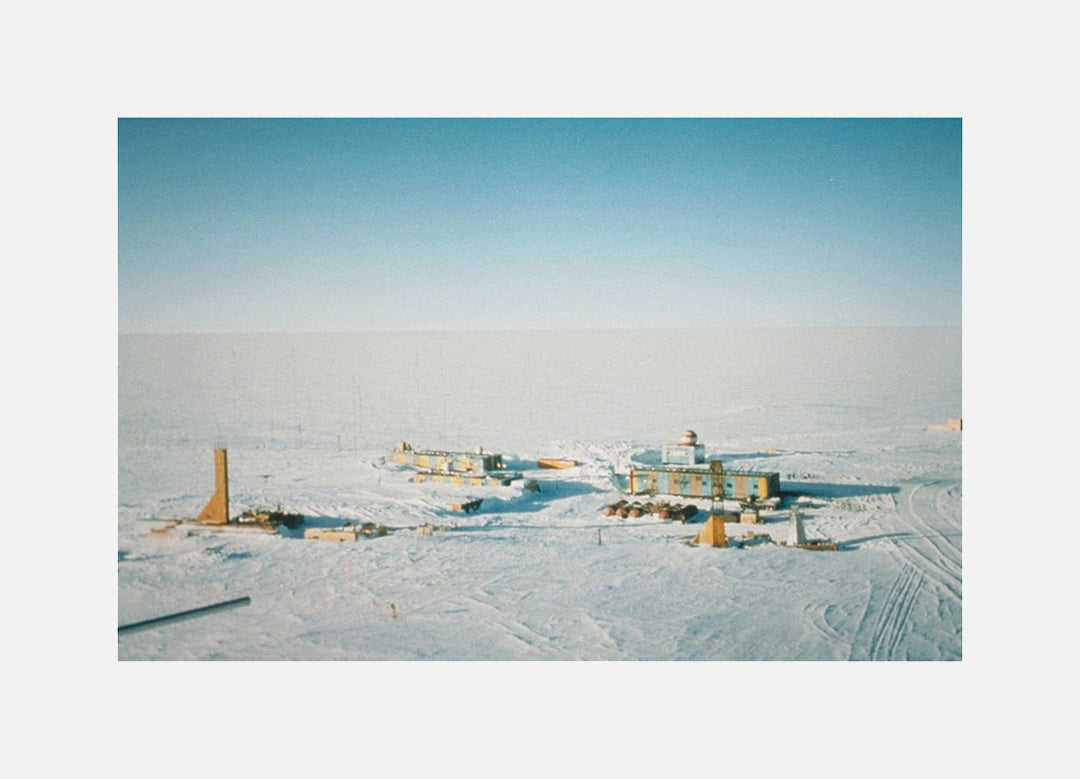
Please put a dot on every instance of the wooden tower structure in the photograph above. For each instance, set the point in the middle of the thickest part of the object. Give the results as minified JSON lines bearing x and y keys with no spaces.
{"x":216,"y":511}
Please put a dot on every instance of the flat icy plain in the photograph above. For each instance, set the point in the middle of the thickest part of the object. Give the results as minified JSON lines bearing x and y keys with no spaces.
{"x":308,"y":420}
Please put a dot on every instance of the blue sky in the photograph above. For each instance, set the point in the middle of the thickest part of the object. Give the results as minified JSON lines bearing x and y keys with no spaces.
{"x":368,"y":224}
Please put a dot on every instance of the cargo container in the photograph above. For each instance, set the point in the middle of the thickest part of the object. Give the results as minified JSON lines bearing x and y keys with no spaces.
{"x":556,"y":462}
{"x":952,"y":425}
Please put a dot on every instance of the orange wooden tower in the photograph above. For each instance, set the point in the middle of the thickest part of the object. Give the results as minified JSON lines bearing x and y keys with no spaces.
{"x":713,"y":533}
{"x":217,"y":509}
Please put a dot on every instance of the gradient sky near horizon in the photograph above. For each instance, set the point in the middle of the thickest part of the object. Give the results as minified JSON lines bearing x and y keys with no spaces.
{"x":372,"y":224}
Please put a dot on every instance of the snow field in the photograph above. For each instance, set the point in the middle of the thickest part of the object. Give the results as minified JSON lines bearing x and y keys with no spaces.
{"x":308,"y":421}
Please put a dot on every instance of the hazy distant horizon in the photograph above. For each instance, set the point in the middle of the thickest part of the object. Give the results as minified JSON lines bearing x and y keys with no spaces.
{"x":495,"y":330}
{"x":513,"y":389}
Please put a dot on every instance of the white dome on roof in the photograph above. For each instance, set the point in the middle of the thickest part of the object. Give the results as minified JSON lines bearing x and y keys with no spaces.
{"x":689,"y":438}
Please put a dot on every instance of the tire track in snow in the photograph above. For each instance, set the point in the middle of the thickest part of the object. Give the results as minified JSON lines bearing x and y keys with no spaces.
{"x":930,"y":547}
{"x":862,"y":623}
{"x":944,"y":500}
{"x":886,"y":612}
{"x":890,"y":625}
{"x":514,"y":629}
{"x":922,"y":504}
{"x":902,"y":613}
{"x":815,"y":612}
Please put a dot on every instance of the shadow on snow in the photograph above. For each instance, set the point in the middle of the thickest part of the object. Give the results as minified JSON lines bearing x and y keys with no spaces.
{"x":824,"y":490}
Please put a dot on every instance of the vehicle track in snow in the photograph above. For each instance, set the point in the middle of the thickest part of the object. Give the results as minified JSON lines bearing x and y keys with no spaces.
{"x":925,"y":538}
{"x":927,"y":508}
{"x":817,"y":614}
{"x":893,"y":618}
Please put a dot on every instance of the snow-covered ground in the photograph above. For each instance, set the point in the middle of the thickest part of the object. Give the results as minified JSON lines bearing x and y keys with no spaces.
{"x":308,"y":421}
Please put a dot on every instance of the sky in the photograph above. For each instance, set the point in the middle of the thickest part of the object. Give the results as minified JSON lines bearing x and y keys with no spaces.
{"x":286,"y":225}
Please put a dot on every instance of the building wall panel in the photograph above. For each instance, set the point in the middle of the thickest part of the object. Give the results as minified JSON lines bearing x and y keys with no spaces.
{"x":698,"y":483}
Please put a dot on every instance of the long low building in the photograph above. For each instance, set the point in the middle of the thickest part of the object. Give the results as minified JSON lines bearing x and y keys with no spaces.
{"x":458,"y":462}
{"x":691,"y":482}
{"x":490,"y":478}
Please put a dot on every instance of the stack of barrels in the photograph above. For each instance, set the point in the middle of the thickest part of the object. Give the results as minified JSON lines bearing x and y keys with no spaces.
{"x":624,"y":509}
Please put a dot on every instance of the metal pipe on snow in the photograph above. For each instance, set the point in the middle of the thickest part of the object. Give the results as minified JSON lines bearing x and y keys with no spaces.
{"x":182,"y":615}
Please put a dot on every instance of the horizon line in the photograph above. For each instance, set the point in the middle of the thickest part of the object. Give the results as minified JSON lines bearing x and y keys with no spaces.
{"x":619,"y":329}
